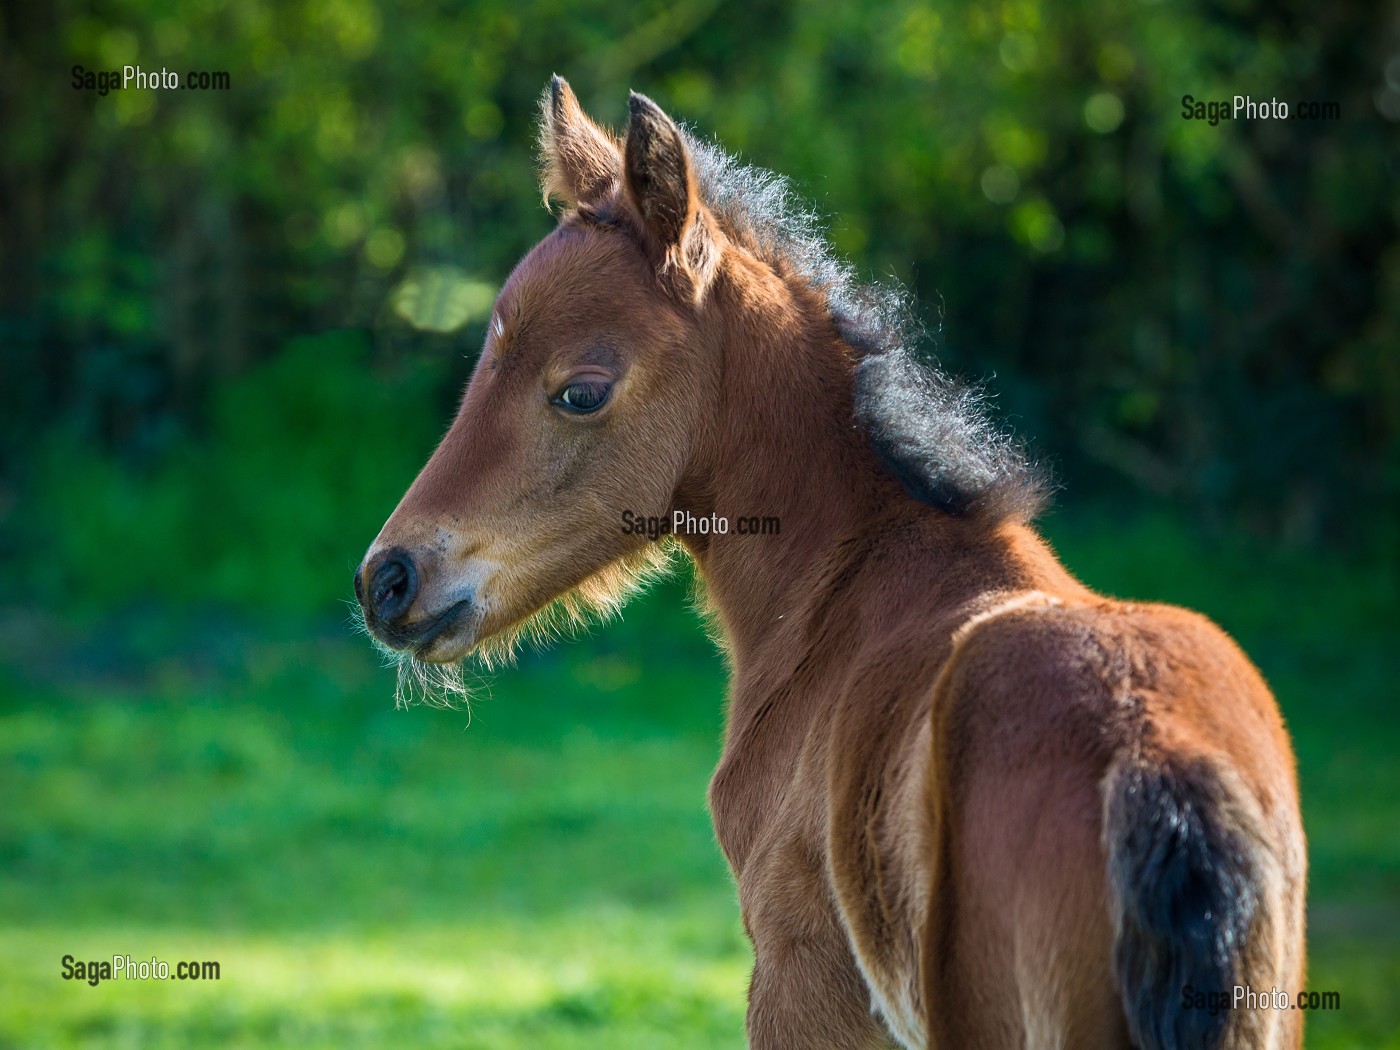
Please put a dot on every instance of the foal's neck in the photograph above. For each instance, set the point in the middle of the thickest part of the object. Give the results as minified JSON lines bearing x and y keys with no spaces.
{"x":786,"y":445}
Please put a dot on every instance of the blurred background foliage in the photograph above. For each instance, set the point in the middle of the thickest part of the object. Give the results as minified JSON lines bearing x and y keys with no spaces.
{"x":233,"y":323}
{"x":1207,"y":315}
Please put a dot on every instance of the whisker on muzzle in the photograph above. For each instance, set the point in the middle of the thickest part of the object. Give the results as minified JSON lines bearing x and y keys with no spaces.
{"x":416,"y":682}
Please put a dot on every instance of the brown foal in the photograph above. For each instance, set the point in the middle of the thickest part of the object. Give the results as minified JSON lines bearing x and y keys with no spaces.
{"x":967,"y":801}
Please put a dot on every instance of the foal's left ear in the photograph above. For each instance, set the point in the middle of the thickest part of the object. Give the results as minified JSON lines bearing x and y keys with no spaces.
{"x":661,"y":183}
{"x":581,"y":163}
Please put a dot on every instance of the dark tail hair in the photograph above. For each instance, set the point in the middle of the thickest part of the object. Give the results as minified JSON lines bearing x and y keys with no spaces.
{"x":1186,"y":888}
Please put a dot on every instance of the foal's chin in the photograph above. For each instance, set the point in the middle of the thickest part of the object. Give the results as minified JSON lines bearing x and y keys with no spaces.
{"x":444,"y":639}
{"x":449,"y":648}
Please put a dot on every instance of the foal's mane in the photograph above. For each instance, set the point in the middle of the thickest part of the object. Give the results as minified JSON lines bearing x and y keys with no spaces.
{"x":933,"y":433}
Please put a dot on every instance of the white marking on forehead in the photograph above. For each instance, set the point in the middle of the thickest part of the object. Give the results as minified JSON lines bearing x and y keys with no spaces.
{"x":498,"y":326}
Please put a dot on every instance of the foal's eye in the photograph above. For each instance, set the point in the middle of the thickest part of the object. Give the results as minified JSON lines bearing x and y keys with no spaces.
{"x":583,"y":396}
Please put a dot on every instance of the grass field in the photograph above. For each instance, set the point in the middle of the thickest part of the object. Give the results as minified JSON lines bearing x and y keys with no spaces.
{"x":540,"y":873}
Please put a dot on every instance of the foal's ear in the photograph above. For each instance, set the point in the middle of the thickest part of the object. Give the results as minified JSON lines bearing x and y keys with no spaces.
{"x":661,"y":183}
{"x":580,"y":161}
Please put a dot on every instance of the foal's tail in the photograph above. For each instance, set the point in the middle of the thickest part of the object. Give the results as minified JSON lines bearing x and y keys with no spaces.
{"x":1200,"y":905}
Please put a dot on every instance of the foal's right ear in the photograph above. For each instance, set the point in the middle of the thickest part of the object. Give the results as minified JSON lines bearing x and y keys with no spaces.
{"x":661,"y":182}
{"x":581,"y":162}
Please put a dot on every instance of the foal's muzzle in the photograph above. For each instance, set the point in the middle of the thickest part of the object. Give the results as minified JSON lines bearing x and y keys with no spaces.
{"x":387,"y":585}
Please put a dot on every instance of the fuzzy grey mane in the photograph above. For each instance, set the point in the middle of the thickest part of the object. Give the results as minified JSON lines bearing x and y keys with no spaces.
{"x":933,"y":433}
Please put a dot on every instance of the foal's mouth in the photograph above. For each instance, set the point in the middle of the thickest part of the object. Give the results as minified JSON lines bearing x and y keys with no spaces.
{"x":458,"y":622}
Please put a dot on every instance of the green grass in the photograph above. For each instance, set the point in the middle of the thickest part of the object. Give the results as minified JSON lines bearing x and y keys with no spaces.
{"x":542,"y":873}
{"x":543,"y":877}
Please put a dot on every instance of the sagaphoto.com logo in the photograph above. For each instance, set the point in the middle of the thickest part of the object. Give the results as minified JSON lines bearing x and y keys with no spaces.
{"x":135,"y":78}
{"x":93,"y":972}
{"x":685,"y":523}
{"x":1246,"y":107}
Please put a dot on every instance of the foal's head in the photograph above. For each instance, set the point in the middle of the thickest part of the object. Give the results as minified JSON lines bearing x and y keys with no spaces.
{"x":591,"y":392}
{"x":682,"y":315}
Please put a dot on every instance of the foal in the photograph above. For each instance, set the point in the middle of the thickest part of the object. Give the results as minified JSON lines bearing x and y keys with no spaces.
{"x":967,"y":801}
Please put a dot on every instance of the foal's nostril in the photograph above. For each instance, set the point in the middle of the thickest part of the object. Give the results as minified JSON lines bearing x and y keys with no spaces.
{"x":393,"y":586}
